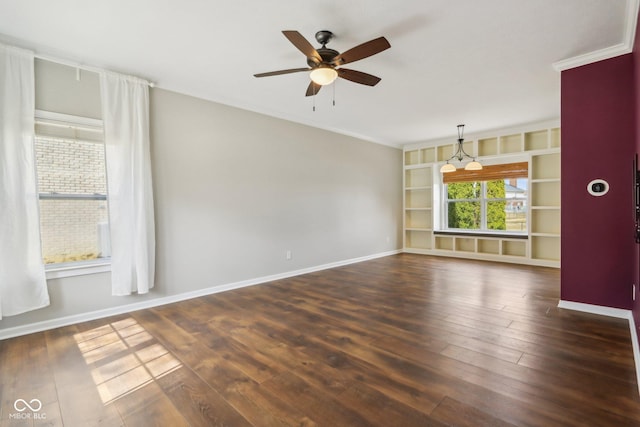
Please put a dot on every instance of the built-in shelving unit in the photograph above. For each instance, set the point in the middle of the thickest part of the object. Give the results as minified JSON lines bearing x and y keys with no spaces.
{"x":418,"y":199}
{"x":539,"y":145}
{"x":545,"y":207}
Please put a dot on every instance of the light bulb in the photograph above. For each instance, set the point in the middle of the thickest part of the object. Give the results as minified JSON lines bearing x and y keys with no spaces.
{"x":473,"y":166}
{"x":447,"y":167}
{"x":323,"y":75}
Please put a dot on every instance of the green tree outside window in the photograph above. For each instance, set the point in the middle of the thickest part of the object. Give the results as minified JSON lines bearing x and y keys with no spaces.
{"x":465,"y":211}
{"x":464,"y":207}
{"x":496,"y":215}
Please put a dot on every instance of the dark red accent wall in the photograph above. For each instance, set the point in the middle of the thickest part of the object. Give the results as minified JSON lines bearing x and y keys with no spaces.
{"x":598,"y":141}
{"x":636,"y":92}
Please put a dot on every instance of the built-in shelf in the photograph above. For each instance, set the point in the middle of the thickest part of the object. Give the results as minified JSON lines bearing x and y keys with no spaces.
{"x":488,"y":246}
{"x":418,"y":239}
{"x":444,"y":152}
{"x":545,"y":166}
{"x":465,"y":245}
{"x":538,"y":140}
{"x":418,"y":198}
{"x":488,"y":147}
{"x":546,"y":247}
{"x":545,"y":193}
{"x":418,"y":219}
{"x":418,"y":177}
{"x":554,"y":141}
{"x":545,"y":221}
{"x":541,"y":246}
{"x":510,"y":144}
{"x":514,"y":248}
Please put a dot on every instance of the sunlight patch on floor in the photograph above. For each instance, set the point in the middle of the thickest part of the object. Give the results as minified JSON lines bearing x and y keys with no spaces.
{"x":120,"y":361}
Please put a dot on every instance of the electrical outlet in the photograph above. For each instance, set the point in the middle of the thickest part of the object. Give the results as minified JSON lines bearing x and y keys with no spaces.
{"x":287,"y":255}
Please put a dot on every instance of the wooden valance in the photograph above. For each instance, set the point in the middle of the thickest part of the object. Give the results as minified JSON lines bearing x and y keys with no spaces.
{"x":489,"y":173}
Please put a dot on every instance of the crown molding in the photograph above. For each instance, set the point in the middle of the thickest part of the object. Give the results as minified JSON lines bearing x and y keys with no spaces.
{"x":610,"y":52}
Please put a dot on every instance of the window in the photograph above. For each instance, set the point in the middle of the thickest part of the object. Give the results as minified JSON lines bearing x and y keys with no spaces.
{"x":491,"y":200}
{"x":70,"y":162}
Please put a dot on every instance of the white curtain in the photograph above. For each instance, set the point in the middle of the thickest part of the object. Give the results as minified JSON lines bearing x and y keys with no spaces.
{"x":23,"y":285}
{"x":125,"y":113}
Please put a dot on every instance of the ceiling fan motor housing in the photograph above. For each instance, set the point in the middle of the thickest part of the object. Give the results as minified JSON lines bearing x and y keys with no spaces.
{"x":324,"y":36}
{"x":327,"y":55}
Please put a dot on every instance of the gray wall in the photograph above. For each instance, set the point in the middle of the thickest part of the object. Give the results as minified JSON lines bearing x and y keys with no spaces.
{"x":234,"y":190}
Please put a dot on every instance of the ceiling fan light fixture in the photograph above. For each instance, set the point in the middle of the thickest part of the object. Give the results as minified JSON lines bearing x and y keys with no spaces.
{"x":322,"y":62}
{"x":323,"y":75}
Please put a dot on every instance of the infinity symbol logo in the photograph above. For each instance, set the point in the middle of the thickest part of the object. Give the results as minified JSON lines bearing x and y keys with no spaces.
{"x":37,"y":405}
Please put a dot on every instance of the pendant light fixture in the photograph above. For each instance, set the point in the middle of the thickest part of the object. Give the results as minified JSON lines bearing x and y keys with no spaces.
{"x":460,"y":155}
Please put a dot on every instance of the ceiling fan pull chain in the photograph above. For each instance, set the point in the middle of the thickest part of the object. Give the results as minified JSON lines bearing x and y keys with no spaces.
{"x":334,"y":94}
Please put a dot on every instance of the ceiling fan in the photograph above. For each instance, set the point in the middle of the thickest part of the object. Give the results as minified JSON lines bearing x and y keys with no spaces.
{"x":325,"y":65}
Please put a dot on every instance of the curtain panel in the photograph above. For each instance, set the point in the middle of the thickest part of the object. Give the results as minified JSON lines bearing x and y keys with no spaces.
{"x":125,"y":114}
{"x":23,"y":285}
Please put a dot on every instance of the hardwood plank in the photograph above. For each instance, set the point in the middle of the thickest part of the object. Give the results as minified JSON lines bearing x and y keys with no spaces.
{"x":199,"y":404}
{"x":350,"y":368}
{"x":571,"y":389}
{"x":262,"y":408}
{"x":620,"y":390}
{"x":560,"y":363}
{"x":391,"y":376}
{"x":380,"y":410}
{"x":25,"y":366}
{"x":314,"y":402}
{"x":141,"y":398}
{"x":510,"y":399}
{"x":222,"y":375}
{"x":400,"y":340}
{"x":27,"y":375}
{"x":452,"y":412}
{"x":159,"y":412}
{"x":253,"y":363}
{"x":78,"y":396}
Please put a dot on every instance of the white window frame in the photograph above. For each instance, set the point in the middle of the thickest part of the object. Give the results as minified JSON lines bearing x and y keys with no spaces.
{"x":76,"y":268}
{"x":440,"y":200}
{"x":484,"y":201}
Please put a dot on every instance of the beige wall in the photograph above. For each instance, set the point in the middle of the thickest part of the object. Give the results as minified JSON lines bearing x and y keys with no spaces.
{"x":234,"y":191}
{"x":62,"y":89}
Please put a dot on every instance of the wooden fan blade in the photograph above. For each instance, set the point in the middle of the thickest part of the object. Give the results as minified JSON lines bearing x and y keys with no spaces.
{"x":358,"y":77}
{"x":313,"y":89}
{"x":277,"y":73}
{"x":303,"y":45}
{"x":363,"y":50}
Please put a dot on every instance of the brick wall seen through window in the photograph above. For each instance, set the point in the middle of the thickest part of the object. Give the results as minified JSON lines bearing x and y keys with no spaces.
{"x":73,"y":205}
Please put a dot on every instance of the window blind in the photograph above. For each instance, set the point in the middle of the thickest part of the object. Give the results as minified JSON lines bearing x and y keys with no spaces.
{"x":489,"y":173}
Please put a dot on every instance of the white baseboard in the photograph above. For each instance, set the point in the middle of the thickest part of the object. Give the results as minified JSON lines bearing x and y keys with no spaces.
{"x":611,"y":312}
{"x":595,"y":309}
{"x":636,"y":347}
{"x":99,"y":314}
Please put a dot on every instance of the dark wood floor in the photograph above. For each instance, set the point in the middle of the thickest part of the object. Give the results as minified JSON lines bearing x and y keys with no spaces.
{"x":405,"y":340}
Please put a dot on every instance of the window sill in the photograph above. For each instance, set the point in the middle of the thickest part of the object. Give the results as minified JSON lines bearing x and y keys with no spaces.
{"x":70,"y":269}
{"x":505,"y":235}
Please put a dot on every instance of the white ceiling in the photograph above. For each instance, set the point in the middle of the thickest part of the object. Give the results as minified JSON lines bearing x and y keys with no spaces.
{"x":485,"y":63}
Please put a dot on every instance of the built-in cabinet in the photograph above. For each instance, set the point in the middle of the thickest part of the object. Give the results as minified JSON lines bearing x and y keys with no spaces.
{"x":539,"y":145}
